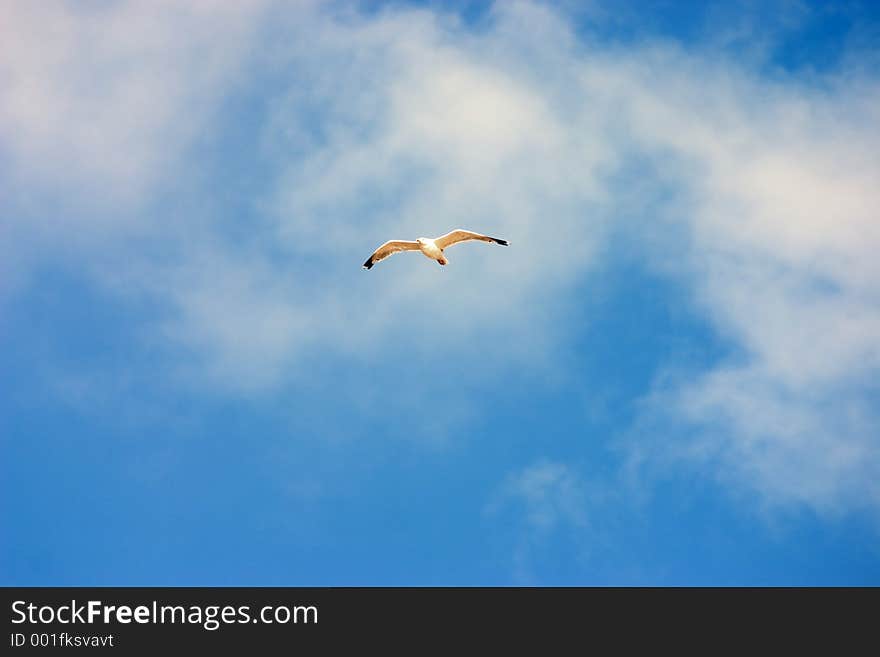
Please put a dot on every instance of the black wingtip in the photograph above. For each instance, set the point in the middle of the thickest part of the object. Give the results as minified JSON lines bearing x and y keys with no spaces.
{"x":368,"y":264}
{"x":501,"y":242}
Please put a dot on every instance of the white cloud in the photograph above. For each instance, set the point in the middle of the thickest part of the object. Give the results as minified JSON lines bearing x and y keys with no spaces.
{"x":783,"y":227}
{"x":550,"y":493}
{"x":100,"y":103}
{"x":814,"y":447}
{"x":551,"y":501}
{"x":406,"y":126}
{"x":408,"y":122}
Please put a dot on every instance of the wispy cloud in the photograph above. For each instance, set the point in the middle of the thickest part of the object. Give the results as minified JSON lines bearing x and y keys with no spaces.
{"x":782,"y":224}
{"x":100,"y":105}
{"x":548,"y":501}
{"x":107,"y":95}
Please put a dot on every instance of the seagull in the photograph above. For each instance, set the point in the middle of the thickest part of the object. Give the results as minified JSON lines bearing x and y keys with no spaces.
{"x":432,"y":248}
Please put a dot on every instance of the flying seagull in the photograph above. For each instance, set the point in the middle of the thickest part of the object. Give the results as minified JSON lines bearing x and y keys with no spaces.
{"x":432,"y":248}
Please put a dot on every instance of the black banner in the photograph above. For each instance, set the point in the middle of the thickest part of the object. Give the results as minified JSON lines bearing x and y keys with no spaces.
{"x":129,"y":620}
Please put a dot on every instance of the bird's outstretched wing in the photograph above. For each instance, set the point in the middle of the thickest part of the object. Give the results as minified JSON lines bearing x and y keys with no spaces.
{"x":461,"y":235}
{"x":390,"y":248}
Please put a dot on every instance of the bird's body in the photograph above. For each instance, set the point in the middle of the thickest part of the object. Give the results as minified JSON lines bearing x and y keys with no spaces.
{"x":431,"y":248}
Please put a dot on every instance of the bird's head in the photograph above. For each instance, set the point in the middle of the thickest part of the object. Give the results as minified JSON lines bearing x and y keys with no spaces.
{"x":420,"y":240}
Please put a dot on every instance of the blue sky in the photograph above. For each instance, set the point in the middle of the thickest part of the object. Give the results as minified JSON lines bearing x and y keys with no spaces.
{"x":669,"y":377}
